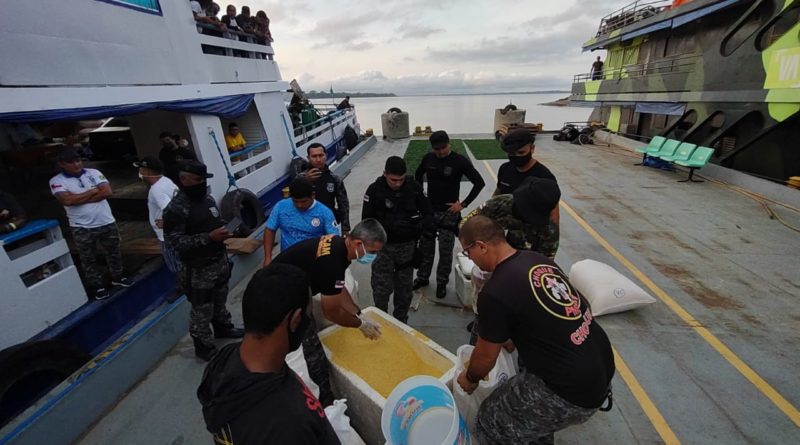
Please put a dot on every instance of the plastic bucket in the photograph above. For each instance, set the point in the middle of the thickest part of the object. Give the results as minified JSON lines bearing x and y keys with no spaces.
{"x":422,"y":411}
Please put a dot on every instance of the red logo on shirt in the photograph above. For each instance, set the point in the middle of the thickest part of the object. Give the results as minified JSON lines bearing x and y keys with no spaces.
{"x":311,"y":401}
{"x":554,"y":293}
{"x":56,"y":186}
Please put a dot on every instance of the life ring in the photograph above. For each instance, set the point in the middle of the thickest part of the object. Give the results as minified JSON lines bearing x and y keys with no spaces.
{"x":30,"y":369}
{"x":509,"y":107}
{"x":244,"y":204}
{"x":394,"y":110}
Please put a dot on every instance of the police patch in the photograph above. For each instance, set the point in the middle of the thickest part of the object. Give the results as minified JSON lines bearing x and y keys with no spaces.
{"x":389,"y":203}
{"x":315,"y":222}
{"x":214,"y":212}
{"x":448,"y":170}
{"x":329,"y":187}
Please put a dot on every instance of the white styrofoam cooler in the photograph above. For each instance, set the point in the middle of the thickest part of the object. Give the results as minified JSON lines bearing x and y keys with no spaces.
{"x":463,"y":280}
{"x":364,"y":403}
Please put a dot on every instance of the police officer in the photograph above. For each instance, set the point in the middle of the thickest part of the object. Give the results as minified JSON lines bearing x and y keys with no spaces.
{"x":192,"y":226}
{"x":525,"y":215}
{"x":400,"y":205}
{"x":444,"y":169}
{"x":329,"y":189}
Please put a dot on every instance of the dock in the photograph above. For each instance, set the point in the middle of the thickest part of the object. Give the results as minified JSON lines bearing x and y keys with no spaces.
{"x":714,"y":360}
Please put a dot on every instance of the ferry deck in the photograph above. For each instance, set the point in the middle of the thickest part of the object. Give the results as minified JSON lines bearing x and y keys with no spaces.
{"x":714,"y":360}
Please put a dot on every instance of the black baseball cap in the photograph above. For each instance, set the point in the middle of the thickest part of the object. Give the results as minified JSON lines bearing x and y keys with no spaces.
{"x":151,"y":163}
{"x":535,"y":198}
{"x":439,"y":139}
{"x":195,"y":167}
{"x":68,"y":154}
{"x":517,"y":139}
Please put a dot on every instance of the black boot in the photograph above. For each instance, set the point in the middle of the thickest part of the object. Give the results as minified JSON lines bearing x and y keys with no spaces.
{"x":419,"y":283}
{"x":441,"y":291}
{"x":204,"y":351}
{"x":227,"y":331}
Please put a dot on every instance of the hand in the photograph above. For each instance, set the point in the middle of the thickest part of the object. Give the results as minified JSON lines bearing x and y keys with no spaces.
{"x":369,"y":328}
{"x":219,"y":234}
{"x":267,"y":260}
{"x":160,"y":223}
{"x":455,"y":207}
{"x":509,"y":346}
{"x":313,"y":173}
{"x":465,"y":384}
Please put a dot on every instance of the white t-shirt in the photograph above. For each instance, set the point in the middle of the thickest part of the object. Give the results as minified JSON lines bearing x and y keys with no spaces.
{"x":197,"y":9}
{"x":91,"y":214}
{"x":160,"y":194}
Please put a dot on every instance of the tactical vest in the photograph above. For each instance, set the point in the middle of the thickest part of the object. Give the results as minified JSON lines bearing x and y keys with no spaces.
{"x":203,"y":217}
{"x":397,"y":210}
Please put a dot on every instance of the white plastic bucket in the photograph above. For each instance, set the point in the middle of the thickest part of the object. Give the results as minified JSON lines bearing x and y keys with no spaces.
{"x":421,"y":411}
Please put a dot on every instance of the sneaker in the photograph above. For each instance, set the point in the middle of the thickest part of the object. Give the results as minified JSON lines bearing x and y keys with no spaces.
{"x":122,"y":282}
{"x":441,"y":291}
{"x":228,"y":332}
{"x":419,"y":283}
{"x":101,"y":293}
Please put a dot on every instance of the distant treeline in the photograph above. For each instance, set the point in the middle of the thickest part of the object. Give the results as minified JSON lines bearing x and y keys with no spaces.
{"x":313,"y":94}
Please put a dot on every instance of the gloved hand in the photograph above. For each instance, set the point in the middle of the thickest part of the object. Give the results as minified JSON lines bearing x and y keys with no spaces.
{"x":369,"y":328}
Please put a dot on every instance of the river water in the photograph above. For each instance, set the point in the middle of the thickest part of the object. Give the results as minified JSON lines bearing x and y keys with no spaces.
{"x":464,"y":114}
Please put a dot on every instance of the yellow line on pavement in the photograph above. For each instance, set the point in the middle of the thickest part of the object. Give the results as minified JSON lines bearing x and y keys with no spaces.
{"x":656,"y":419}
{"x":748,"y":372}
{"x":649,"y":408}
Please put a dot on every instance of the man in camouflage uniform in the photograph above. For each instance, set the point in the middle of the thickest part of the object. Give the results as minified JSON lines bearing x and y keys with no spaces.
{"x":194,"y":229}
{"x":525,"y":215}
{"x":401,"y":207}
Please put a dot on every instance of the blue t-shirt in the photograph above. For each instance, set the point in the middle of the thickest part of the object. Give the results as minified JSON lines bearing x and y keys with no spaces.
{"x":296,"y":226}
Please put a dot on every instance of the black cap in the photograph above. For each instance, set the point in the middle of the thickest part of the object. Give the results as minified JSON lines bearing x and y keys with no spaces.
{"x":151,"y":163}
{"x":195,"y":167}
{"x":68,"y":154}
{"x":517,"y":139}
{"x":439,"y":139}
{"x":535,"y":198}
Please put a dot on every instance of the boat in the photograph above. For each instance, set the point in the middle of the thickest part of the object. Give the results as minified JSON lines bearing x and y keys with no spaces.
{"x":109,"y":88}
{"x":723,"y":74}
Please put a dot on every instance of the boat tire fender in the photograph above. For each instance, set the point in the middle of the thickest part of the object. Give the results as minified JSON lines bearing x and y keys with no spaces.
{"x":509,"y":107}
{"x":244,"y":204}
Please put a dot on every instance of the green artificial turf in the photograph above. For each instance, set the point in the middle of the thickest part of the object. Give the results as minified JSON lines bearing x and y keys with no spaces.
{"x":485,"y":149}
{"x":418,"y":148}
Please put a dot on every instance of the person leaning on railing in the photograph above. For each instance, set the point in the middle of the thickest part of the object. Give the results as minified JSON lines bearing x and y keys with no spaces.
{"x":205,"y":12}
{"x":261,"y":28}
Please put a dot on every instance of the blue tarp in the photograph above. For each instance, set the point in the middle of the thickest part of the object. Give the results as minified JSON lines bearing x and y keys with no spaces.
{"x":228,"y":107}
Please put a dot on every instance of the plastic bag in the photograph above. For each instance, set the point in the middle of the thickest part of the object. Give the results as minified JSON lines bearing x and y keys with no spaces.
{"x":297,"y":362}
{"x":341,"y":423}
{"x":468,"y":404}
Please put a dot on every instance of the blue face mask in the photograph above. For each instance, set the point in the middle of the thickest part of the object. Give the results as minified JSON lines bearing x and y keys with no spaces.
{"x":367,"y":257}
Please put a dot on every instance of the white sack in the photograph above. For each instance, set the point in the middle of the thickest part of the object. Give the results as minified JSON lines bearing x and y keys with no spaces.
{"x":468,"y":404}
{"x":297,"y":362}
{"x":341,"y":423}
{"x":606,"y":290}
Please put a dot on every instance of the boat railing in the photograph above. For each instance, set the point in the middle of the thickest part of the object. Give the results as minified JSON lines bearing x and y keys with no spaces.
{"x":673,"y":65}
{"x":328,"y":122}
{"x":232,"y":43}
{"x":251,"y":158}
{"x":630,"y":14}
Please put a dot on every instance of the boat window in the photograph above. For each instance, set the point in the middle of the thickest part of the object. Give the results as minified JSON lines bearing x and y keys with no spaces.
{"x":779,"y":26}
{"x":752,"y":21}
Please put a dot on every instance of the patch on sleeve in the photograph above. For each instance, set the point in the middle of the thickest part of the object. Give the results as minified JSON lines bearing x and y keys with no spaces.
{"x":339,"y":284}
{"x":366,"y":198}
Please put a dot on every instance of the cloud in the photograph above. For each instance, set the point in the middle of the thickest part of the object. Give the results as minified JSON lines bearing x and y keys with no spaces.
{"x":409,"y":31}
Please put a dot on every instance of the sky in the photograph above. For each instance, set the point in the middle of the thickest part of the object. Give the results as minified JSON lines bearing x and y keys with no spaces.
{"x":432,"y":46}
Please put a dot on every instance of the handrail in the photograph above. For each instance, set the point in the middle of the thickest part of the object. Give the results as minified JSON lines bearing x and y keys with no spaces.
{"x":248,"y":149}
{"x":632,"y":13}
{"x":251,"y":38}
{"x":681,"y":64}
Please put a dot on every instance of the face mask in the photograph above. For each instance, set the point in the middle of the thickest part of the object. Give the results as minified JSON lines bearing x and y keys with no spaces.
{"x":296,"y":337}
{"x":367,"y":257}
{"x":141,"y":177}
{"x":196,"y":192}
{"x":519,"y":161}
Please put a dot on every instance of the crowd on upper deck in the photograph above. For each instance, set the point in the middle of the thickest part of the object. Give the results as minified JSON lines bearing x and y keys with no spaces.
{"x":206,"y":12}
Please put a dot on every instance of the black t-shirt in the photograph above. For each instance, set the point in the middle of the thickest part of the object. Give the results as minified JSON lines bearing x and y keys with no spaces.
{"x":530,"y":301}
{"x":597,"y":66}
{"x":243,"y":407}
{"x":323,"y":259}
{"x":509,"y":178}
{"x":444,"y":179}
{"x":8,"y":202}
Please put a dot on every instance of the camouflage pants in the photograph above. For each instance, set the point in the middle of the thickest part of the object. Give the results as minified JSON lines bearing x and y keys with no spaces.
{"x":86,"y":243}
{"x":525,"y":411}
{"x":207,"y":290}
{"x":319,"y":369}
{"x":447,"y":239}
{"x":542,"y":239}
{"x":392,"y":272}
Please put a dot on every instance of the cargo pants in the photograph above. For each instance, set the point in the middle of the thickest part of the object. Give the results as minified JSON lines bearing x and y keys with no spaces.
{"x":392,"y":272}
{"x":447,"y":239}
{"x":206,"y":288}
{"x":86,"y":241}
{"x":525,"y":411}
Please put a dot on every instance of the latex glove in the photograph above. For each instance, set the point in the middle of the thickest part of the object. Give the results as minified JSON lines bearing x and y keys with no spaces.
{"x":369,"y":328}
